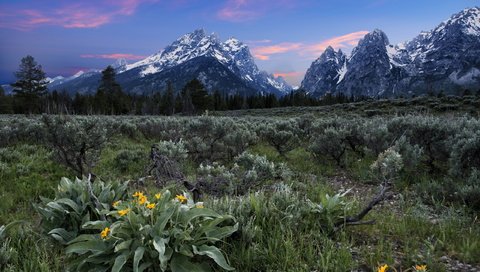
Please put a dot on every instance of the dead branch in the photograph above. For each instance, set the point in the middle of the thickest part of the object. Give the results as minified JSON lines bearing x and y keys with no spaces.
{"x":356,"y":220}
{"x":164,"y":169}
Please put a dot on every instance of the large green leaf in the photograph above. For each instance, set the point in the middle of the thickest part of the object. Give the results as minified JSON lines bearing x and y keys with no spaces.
{"x":163,"y":219}
{"x":84,"y":237}
{"x":98,"y":225}
{"x":194,"y":213}
{"x":54,"y":205}
{"x":123,"y":245}
{"x":86,"y":246}
{"x":70,"y":203}
{"x":220,"y":233}
{"x":160,"y":245}
{"x":62,"y":236}
{"x":214,"y":253}
{"x":182,"y":263}
{"x":119,"y":263}
{"x":137,"y":258}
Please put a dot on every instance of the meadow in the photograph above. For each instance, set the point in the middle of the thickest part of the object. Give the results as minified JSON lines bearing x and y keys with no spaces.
{"x":289,"y":189}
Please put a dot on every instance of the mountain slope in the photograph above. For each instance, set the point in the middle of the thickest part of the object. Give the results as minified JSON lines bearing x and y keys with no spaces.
{"x":445,"y":59}
{"x":239,"y":73}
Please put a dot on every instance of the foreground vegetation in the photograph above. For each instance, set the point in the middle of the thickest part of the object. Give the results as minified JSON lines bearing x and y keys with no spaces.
{"x":250,"y":193}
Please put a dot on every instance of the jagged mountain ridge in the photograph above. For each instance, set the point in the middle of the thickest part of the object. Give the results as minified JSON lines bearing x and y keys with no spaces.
{"x":232,"y":69}
{"x":445,"y":59}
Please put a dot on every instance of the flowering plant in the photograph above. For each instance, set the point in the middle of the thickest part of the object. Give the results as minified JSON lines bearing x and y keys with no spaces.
{"x":149,"y":232}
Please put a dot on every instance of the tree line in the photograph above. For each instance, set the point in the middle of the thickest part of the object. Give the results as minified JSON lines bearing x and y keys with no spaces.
{"x":30,"y":96}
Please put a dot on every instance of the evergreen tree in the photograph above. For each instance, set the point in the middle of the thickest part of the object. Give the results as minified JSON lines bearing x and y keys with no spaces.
{"x":187,"y":104}
{"x":111,"y":99}
{"x":195,"y":98}
{"x":169,"y":100}
{"x":5,"y":102}
{"x":31,"y":85}
{"x":219,"y":102}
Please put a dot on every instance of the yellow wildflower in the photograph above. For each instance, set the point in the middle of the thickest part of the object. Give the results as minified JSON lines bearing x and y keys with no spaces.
{"x":157,"y":196}
{"x":138,"y":194}
{"x":151,"y":205}
{"x":421,"y":267}
{"x":142,"y":199}
{"x":181,"y":198}
{"x":382,"y":268}
{"x":115,"y":204}
{"x":123,"y":212}
{"x":199,"y":205}
{"x":105,"y":233}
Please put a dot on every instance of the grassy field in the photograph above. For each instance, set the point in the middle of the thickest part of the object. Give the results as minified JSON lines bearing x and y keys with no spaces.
{"x":278,"y":228}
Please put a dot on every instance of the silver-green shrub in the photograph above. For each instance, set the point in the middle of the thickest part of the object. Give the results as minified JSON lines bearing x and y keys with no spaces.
{"x":77,"y":141}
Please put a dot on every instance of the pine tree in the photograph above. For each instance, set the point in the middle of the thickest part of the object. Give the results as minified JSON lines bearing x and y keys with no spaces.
{"x":200,"y":99}
{"x":31,"y":84}
{"x":111,"y":99}
{"x":187,"y":105}
{"x":5,"y":102}
{"x":169,"y":100}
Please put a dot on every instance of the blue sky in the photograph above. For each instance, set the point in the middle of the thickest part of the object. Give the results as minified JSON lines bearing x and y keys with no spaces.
{"x":285,"y":36}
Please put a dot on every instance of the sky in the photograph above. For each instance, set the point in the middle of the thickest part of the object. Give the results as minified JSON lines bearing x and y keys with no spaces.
{"x":284,"y":36}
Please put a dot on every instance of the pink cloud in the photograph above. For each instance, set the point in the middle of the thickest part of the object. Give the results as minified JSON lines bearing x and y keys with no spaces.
{"x":287,"y":75}
{"x":345,"y":41}
{"x":246,"y":10}
{"x":84,"y":14}
{"x":264,"y":52}
{"x":113,"y":56}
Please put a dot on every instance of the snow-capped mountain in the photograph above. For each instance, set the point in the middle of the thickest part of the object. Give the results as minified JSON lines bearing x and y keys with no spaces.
{"x":446,"y":59}
{"x":326,"y":72}
{"x":226,"y":66}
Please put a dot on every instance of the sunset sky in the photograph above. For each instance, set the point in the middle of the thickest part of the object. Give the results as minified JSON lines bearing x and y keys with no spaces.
{"x":284,"y":36}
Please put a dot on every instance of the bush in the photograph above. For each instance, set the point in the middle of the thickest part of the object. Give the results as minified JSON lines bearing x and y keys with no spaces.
{"x":429,"y":133}
{"x":173,"y":150}
{"x":146,"y":233}
{"x":411,"y":154}
{"x":74,"y":204}
{"x":388,"y":164}
{"x":331,"y":143}
{"x":248,"y":172}
{"x":470,"y":191}
{"x":76,"y":141}
{"x":282,"y":135}
{"x":211,"y":139}
{"x":216,"y":179}
{"x":465,"y":154}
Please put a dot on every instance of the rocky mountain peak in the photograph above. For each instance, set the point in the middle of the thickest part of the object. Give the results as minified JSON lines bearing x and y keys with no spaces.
{"x":375,"y":37}
{"x":199,"y":49}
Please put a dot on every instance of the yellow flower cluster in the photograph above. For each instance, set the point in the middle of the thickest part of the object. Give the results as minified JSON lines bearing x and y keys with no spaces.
{"x":151,"y":206}
{"x":105,"y":233}
{"x":141,"y":198}
{"x":421,"y":267}
{"x":158,"y":196}
{"x":382,"y":268}
{"x":181,"y":198}
{"x":116,"y":203}
{"x":418,"y":268}
{"x":123,"y":212}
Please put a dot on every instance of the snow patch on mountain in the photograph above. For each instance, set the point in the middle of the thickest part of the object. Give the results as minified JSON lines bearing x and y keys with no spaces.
{"x":232,"y":53}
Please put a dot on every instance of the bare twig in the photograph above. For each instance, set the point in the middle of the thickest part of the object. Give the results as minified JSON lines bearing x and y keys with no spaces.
{"x":356,"y":220}
{"x":165,"y":168}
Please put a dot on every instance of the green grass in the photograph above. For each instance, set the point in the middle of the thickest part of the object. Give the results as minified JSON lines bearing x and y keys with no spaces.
{"x":269,"y":239}
{"x":29,"y":172}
